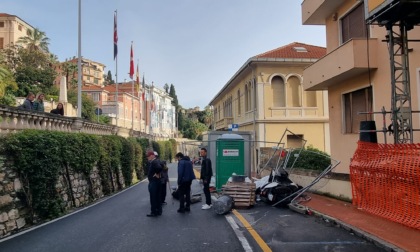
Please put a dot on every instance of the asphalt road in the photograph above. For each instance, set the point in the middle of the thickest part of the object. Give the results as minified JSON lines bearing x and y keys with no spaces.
{"x":119,"y":223}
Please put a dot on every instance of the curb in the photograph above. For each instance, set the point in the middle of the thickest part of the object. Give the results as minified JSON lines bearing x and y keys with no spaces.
{"x":357,"y":231}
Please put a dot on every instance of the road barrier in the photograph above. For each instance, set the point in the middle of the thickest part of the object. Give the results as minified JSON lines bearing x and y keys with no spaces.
{"x":385,"y":180}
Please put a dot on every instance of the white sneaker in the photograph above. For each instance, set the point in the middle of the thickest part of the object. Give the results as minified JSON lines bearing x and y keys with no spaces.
{"x":205,"y":207}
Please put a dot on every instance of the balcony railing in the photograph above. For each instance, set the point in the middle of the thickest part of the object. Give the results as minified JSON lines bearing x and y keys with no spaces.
{"x":223,"y":123}
{"x":296,"y":112}
{"x":14,"y":120}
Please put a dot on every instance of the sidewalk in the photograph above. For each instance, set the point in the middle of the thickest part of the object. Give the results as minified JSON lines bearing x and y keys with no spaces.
{"x":390,"y":235}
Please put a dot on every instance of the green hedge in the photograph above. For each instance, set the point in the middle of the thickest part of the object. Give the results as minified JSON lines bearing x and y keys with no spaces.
{"x":39,"y":157}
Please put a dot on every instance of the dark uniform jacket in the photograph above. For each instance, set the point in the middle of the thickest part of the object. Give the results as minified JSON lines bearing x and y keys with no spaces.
{"x":206,"y":171}
{"x":154,"y":170}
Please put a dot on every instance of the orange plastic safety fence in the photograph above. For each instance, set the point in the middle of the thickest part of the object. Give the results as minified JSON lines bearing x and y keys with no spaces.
{"x":385,"y":181}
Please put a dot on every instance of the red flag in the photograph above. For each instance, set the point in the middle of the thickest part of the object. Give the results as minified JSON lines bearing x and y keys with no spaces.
{"x":115,"y":36}
{"x":131,"y":63}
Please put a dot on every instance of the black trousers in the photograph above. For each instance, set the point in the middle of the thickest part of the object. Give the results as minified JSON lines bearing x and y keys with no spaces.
{"x":184,"y":193}
{"x":154,"y":192}
{"x":162,"y":192}
{"x":206,"y":190}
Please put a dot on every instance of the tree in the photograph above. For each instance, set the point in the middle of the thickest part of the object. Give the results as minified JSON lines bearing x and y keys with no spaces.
{"x":35,"y":41}
{"x":166,"y":87}
{"x":69,"y":69}
{"x":108,"y":78}
{"x":172,"y":93}
{"x":208,"y":116}
{"x":7,"y":86}
{"x":32,"y":70}
{"x":88,"y":105}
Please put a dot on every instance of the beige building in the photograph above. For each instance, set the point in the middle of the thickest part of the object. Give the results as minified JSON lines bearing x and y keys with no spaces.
{"x":265,"y":96}
{"x":11,"y":29}
{"x":154,"y":114}
{"x":92,"y":73}
{"x":356,"y":72}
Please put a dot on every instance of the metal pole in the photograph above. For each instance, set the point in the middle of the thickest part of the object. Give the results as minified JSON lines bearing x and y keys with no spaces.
{"x":132,"y":104}
{"x":116,"y":82}
{"x":79,"y":64}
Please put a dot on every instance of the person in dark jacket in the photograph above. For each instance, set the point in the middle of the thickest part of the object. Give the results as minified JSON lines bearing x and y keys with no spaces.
{"x":153,"y":175}
{"x":185,"y":177}
{"x":39,"y":103}
{"x":205,"y":175}
{"x":163,"y":180}
{"x":28,"y":104}
{"x":59,"y":110}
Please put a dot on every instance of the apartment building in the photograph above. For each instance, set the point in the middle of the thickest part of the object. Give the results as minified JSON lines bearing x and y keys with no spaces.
{"x":265,"y":96}
{"x":11,"y":29}
{"x":356,"y":72}
{"x":93,"y":73}
{"x":155,"y":115}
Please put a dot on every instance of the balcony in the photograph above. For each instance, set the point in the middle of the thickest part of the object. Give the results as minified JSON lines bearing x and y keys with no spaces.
{"x":345,"y":62}
{"x":315,"y":12}
{"x":223,"y":123}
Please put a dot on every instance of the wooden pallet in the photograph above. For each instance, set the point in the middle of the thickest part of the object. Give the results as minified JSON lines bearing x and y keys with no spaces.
{"x":242,"y":193}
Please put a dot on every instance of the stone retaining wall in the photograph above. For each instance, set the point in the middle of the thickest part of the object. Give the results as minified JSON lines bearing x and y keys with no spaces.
{"x":13,"y":212}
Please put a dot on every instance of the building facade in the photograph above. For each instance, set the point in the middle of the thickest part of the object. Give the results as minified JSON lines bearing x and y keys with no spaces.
{"x":154,"y":114}
{"x":11,"y":29}
{"x":93,"y":73}
{"x":356,"y":72}
{"x":265,"y":96}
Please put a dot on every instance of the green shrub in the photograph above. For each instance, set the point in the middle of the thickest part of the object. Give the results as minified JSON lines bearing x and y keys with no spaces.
{"x":36,"y":160}
{"x":40,"y":157}
{"x":144,"y":144}
{"x":310,"y":158}
{"x":127,"y":161}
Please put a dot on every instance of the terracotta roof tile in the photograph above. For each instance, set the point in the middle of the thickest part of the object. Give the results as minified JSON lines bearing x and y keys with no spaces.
{"x":295,"y":50}
{"x":91,"y":88}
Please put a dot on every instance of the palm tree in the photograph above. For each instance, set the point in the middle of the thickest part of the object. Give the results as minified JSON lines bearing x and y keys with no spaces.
{"x":69,"y":69}
{"x":35,"y":41}
{"x":208,"y":116}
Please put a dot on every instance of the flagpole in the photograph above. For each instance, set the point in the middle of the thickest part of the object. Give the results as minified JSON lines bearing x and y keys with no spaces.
{"x":132,"y":86}
{"x":138,"y":92}
{"x":116,"y":66}
{"x":151,"y":105}
{"x":143,"y":99}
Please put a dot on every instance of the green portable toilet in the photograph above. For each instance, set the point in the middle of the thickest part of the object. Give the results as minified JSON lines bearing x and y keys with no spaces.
{"x":230,"y":158}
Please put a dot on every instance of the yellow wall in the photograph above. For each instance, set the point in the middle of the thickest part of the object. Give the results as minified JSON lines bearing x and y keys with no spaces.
{"x":268,"y":122}
{"x":343,"y":145}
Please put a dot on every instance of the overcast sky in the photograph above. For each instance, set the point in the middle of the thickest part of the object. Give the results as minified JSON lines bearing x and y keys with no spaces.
{"x":196,"y":45}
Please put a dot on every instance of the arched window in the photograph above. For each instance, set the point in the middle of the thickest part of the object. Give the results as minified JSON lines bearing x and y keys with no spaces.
{"x":294,"y":92}
{"x":279,"y":97}
{"x":239,"y":101}
{"x":249,"y":97}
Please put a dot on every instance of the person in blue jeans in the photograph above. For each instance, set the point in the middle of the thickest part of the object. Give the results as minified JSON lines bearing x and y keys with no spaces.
{"x":185,"y":178}
{"x":205,"y":175}
{"x":153,"y":175}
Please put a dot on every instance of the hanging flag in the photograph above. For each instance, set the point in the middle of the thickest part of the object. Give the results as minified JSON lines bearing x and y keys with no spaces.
{"x":144,"y":88}
{"x":131,"y":62}
{"x":137,"y":79}
{"x":152,"y":99}
{"x":115,"y":36}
